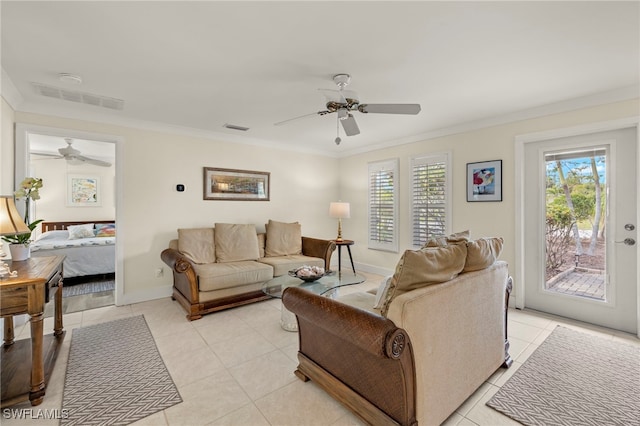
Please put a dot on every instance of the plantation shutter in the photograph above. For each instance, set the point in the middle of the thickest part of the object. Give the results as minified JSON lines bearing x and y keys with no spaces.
{"x":383,"y":205}
{"x":430,"y":197}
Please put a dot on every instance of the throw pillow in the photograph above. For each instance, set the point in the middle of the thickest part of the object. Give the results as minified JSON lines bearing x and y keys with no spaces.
{"x":444,"y":240}
{"x":105,"y":230}
{"x":381,"y":295}
{"x":236,"y":242}
{"x":77,"y":232}
{"x":482,"y":253}
{"x":427,"y":266}
{"x":283,"y":239}
{"x":197,"y":244}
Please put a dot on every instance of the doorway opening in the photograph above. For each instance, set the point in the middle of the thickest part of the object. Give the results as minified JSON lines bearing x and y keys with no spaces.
{"x":575,"y":223}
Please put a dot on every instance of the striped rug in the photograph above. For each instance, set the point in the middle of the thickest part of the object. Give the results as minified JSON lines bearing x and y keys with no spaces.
{"x":115,"y":375}
{"x":574,"y":378}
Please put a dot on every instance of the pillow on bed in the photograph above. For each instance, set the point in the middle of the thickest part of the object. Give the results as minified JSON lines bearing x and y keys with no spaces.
{"x":53,"y":235}
{"x":105,"y":229}
{"x":77,"y":232}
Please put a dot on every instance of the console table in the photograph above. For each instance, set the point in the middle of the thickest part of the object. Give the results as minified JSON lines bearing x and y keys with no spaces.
{"x":27,"y":363}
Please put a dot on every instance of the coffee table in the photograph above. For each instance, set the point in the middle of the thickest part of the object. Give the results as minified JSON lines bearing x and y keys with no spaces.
{"x":326,"y":286}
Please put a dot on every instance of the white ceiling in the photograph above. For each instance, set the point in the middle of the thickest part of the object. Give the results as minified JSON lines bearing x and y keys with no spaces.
{"x":194,"y":66}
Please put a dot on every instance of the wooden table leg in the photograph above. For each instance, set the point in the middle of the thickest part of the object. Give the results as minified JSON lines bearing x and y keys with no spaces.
{"x":351,"y":258}
{"x":36,"y":311}
{"x":339,"y":259}
{"x":9,"y":333}
{"x":57,"y":327}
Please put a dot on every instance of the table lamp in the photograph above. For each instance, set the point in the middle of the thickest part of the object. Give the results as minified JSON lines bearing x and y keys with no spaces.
{"x":10,"y":224}
{"x":341,"y":211}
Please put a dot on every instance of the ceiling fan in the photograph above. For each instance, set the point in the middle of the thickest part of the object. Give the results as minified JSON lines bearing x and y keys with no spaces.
{"x":347,"y":101}
{"x":73,"y":156}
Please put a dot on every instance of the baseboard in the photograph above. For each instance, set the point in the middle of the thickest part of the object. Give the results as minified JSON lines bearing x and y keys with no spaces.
{"x":373,"y":269}
{"x":143,"y":295}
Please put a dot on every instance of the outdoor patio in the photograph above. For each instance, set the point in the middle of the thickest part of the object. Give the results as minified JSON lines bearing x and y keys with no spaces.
{"x":579,"y":282}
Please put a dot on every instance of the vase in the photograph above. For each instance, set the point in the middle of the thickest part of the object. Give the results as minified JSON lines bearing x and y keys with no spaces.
{"x":19,"y":252}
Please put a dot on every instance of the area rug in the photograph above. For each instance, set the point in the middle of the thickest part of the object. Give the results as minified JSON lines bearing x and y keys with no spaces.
{"x":115,"y":375}
{"x":86,"y":288}
{"x":574,"y":378}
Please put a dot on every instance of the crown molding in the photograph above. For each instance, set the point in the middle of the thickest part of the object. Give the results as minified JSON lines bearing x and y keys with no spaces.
{"x":616,"y":95}
{"x":595,"y":99}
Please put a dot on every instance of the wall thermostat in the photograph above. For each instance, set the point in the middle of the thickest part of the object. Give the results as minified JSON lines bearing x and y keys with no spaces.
{"x":180,"y":187}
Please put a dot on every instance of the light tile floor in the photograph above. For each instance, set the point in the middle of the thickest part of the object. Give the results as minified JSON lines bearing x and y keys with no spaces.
{"x":235,"y":367}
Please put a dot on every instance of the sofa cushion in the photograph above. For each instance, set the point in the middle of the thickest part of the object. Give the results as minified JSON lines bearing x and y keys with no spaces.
{"x":482,"y":253}
{"x":262,"y":240}
{"x":235,"y":242}
{"x":420,"y":268}
{"x":283,"y":239}
{"x":197,"y":244}
{"x":216,"y":276}
{"x":283,"y":264}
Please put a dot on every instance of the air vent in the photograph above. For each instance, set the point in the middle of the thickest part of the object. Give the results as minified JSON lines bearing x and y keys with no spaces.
{"x":234,"y":127}
{"x":79,"y":97}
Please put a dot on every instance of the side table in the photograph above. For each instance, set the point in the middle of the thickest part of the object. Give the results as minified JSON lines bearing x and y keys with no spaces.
{"x":348,"y":244}
{"x":27,"y":363}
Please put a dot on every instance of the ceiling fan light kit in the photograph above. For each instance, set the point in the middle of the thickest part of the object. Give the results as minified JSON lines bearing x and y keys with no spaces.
{"x":348,"y":101}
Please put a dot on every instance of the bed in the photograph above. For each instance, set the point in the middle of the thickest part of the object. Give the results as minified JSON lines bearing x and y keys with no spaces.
{"x":89,"y":247}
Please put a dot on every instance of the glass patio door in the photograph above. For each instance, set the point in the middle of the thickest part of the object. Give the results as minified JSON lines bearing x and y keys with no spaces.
{"x":580,"y":230}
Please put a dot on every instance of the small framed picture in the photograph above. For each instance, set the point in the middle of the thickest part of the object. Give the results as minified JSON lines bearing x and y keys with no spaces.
{"x":484,"y":181}
{"x":83,"y":191}
{"x":232,"y":184}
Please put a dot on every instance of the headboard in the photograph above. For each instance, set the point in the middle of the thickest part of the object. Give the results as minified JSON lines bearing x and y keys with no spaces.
{"x":61,"y":226}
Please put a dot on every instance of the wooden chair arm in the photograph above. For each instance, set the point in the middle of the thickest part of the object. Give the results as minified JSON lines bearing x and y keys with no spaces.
{"x":185,"y":279}
{"x":316,"y":247}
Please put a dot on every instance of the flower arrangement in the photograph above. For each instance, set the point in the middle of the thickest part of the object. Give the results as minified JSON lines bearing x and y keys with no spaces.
{"x":29,"y":190}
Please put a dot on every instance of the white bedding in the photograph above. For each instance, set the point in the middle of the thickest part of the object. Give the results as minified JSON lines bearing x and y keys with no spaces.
{"x":85,"y":256}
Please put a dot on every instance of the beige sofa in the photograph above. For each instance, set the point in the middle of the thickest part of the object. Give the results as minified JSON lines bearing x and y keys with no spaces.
{"x":437,"y":333}
{"x":225,"y":266}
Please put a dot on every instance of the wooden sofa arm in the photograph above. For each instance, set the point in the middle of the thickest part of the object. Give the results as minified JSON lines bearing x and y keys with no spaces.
{"x":316,"y":247}
{"x":185,"y":279}
{"x":360,"y":358}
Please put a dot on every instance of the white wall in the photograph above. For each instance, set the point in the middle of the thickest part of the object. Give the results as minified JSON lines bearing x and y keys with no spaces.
{"x":482,"y":219}
{"x":152,"y":210}
{"x":6,"y":148}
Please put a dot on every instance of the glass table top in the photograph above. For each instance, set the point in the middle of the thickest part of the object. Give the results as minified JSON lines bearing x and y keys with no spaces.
{"x":327,"y":283}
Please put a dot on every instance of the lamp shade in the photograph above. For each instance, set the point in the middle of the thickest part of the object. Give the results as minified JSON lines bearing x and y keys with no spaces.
{"x":339,"y":210}
{"x":10,"y":221}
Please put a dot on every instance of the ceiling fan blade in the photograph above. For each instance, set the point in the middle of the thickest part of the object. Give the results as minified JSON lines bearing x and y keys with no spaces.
{"x":93,"y":161}
{"x":46,"y":154}
{"x":390,"y":108}
{"x":280,"y":123}
{"x":350,"y":126}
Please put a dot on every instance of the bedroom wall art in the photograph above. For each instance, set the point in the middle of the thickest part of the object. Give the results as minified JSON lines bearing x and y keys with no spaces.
{"x":83,"y":191}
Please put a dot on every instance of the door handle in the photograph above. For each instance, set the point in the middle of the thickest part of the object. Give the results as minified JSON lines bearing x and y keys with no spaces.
{"x":627,"y":241}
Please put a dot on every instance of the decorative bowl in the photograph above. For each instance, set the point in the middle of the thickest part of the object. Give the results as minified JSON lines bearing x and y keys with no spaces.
{"x":308,"y":273}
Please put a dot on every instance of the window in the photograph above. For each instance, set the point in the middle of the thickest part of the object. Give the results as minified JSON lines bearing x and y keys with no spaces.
{"x":383,"y":205}
{"x":430,"y":210}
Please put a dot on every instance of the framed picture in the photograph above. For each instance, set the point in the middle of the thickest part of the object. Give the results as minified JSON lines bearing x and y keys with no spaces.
{"x":232,"y":184}
{"x":83,"y":191}
{"x":484,"y":181}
